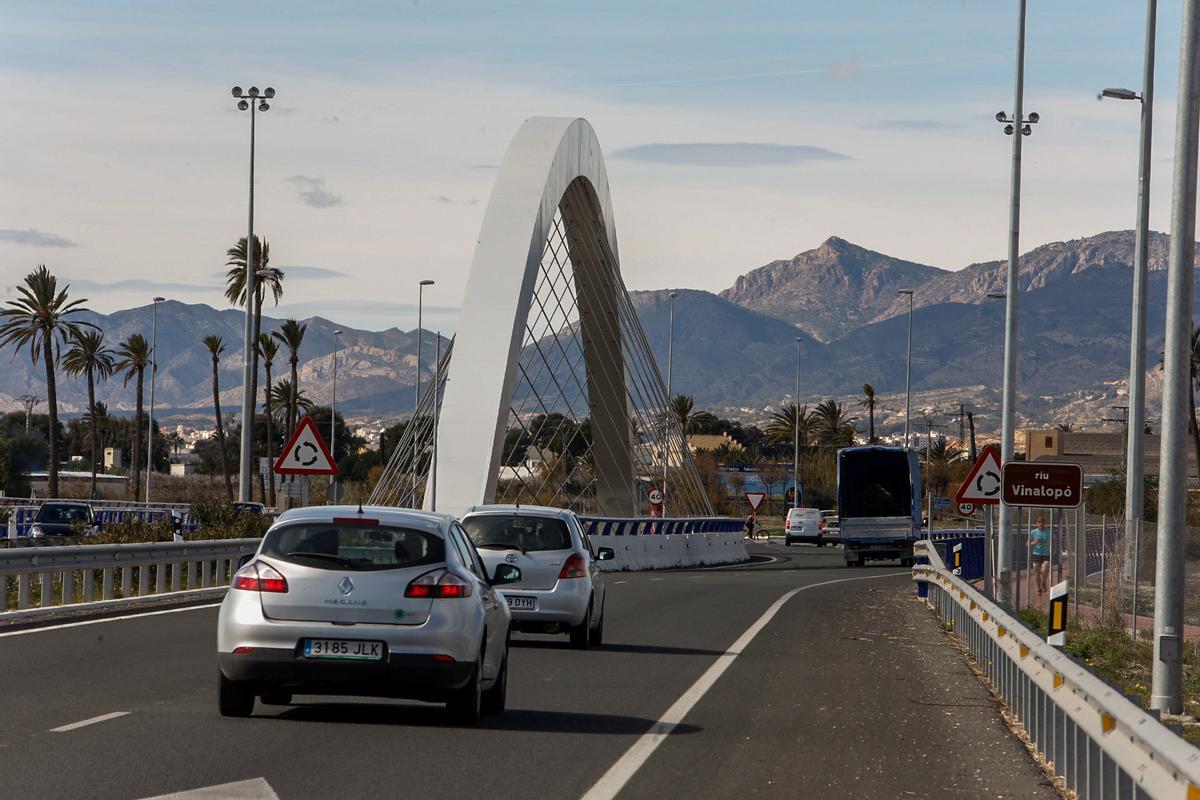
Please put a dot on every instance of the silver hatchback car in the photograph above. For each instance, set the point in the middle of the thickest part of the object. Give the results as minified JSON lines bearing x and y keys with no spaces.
{"x":365,"y":601}
{"x":561,"y":589}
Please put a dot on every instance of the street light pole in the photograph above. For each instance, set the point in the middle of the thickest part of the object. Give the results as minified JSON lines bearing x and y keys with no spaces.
{"x":337,"y":343}
{"x":1135,"y":434}
{"x":908,"y":369}
{"x":249,"y":101}
{"x":796,"y":433}
{"x":417,"y":388}
{"x":1167,"y":685}
{"x":667,"y":416}
{"x":1018,"y":127}
{"x":153,"y":373}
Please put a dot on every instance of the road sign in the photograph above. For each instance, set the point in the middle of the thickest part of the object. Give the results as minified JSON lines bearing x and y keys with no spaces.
{"x":1036,"y":483}
{"x":755,"y":499}
{"x":655,"y":498}
{"x":306,"y":453}
{"x":966,"y":509}
{"x":982,"y":485}
{"x":941,"y":503}
{"x":264,"y":466}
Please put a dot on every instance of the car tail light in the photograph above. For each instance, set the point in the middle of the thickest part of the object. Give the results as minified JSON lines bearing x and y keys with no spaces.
{"x":438,"y":584}
{"x":821,"y":525}
{"x":259,"y":577}
{"x":787,"y":524}
{"x":573,"y":567}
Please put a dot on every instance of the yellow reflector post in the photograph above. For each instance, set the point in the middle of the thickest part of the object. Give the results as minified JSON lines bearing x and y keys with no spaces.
{"x":1057,"y":633}
{"x":1107,"y":723}
{"x":1024,"y":651}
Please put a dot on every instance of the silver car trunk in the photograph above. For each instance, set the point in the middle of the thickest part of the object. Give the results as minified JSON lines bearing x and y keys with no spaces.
{"x":539,"y":568}
{"x":346,"y":596}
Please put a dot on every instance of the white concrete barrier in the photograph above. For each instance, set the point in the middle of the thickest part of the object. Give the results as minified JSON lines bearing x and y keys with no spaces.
{"x":671,"y":551}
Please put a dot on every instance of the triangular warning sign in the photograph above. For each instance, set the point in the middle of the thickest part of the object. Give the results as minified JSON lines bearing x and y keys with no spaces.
{"x":305,"y":453}
{"x":983,"y":482}
{"x":755,"y":499}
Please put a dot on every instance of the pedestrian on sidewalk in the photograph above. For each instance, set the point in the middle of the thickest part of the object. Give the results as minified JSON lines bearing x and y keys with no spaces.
{"x":1039,"y":537}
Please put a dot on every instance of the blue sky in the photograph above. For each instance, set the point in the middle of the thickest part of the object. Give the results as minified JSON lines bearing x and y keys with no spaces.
{"x":735,"y":134}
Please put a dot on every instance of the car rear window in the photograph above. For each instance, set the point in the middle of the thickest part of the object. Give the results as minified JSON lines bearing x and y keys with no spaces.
{"x":515,"y":532}
{"x":353,"y":547}
{"x":61,"y":515}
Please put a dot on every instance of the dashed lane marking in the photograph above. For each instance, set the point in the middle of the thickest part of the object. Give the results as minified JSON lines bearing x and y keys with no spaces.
{"x":83,"y":723}
{"x":620,"y":773}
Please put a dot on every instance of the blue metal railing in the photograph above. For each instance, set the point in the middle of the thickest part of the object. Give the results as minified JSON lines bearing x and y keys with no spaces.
{"x":653,"y":526}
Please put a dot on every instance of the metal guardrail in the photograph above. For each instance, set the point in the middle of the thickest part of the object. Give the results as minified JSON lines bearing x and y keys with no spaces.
{"x":652,"y":526}
{"x":1101,"y":743}
{"x":61,"y":577}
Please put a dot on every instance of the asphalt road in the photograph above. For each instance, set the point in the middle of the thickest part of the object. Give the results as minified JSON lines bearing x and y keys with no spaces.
{"x":848,"y":690}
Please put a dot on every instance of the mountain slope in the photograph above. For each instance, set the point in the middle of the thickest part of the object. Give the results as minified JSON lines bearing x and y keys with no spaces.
{"x":829,"y":291}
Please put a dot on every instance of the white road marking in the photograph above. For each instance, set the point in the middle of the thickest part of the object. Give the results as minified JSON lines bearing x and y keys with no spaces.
{"x":618,"y":583}
{"x":83,"y":723}
{"x":106,"y":619}
{"x":253,"y":789}
{"x":743,"y":564}
{"x":620,"y":773}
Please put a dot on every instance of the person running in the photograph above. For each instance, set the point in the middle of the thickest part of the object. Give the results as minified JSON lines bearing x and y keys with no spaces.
{"x":1039,"y":543}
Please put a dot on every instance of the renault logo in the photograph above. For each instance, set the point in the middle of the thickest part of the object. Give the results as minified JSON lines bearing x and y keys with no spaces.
{"x":346,"y":586}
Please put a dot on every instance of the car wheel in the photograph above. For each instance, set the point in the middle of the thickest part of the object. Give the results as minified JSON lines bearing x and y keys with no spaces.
{"x":234,"y":699}
{"x":596,"y":635}
{"x":579,"y":633}
{"x":465,"y":704}
{"x":276,"y":697}
{"x":787,"y":542}
{"x":495,"y":698}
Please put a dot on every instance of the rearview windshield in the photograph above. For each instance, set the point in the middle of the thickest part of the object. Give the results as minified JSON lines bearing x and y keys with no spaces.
{"x":62,"y":515}
{"x":518,"y":532}
{"x":353,"y":547}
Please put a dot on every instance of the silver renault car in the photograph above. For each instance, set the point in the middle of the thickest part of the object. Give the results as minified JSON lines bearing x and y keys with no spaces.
{"x":366,"y":601}
{"x":561,"y":589}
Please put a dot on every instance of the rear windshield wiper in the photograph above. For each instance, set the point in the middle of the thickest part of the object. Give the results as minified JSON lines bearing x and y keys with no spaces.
{"x":346,"y":562}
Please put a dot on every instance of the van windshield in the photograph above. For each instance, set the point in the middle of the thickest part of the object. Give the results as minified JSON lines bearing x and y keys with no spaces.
{"x":353,"y":547}
{"x":517,"y":532}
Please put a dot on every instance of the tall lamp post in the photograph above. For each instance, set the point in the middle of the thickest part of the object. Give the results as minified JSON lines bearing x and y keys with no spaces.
{"x":1009,"y":402}
{"x":908,"y":368}
{"x":153,"y":372}
{"x":250,"y":101}
{"x":1135,"y":447}
{"x":417,"y":388}
{"x":1166,"y":693}
{"x":337,"y":343}
{"x":796,"y":432}
{"x":667,"y":416}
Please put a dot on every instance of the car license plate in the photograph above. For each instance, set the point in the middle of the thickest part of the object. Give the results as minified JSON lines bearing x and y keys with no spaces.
{"x":343,"y":649}
{"x":518,"y":603}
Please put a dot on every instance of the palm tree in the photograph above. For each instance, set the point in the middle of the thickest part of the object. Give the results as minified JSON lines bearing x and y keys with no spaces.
{"x":38,"y":320}
{"x":135,"y":355}
{"x":868,"y":402}
{"x":216,"y":346}
{"x":284,"y":398}
{"x":291,"y":335}
{"x":267,"y":350}
{"x":89,"y":357}
{"x":781,"y":427}
{"x":834,"y":426}
{"x":235,"y":291}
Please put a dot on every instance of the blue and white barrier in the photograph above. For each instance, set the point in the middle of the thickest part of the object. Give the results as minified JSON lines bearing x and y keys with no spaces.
{"x":655,"y":543}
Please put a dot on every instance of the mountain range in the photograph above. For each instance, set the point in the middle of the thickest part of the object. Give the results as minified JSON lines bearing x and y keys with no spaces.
{"x":736,"y":351}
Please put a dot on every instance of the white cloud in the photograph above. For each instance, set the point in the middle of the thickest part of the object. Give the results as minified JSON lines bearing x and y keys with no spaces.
{"x":34,"y":238}
{"x":313,"y":193}
{"x":728,"y":154}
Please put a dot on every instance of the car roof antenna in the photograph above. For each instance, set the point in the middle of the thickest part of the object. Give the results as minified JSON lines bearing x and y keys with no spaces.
{"x":360,"y":506}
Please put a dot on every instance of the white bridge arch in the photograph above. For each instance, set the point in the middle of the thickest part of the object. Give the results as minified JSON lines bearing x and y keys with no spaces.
{"x":545,"y":301}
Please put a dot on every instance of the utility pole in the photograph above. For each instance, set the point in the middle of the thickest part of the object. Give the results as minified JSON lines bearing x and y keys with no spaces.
{"x":1167,"y":684}
{"x":971,"y":428}
{"x":1018,"y":126}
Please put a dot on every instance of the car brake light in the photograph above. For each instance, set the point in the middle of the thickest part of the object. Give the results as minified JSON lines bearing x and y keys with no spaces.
{"x":573,"y":567}
{"x":259,"y":577}
{"x":438,"y":584}
{"x":821,"y":525}
{"x":787,"y":524}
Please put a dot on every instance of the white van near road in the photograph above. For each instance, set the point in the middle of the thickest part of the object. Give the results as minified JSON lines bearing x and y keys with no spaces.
{"x":804,"y":525}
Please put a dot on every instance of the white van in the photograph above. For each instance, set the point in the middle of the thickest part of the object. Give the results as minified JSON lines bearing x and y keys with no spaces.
{"x":804,"y":525}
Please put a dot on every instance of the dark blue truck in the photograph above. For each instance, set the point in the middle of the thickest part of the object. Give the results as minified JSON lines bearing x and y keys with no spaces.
{"x":879,"y":503}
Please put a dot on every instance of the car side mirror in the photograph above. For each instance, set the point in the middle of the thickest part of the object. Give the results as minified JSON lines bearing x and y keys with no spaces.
{"x":605,"y":554}
{"x":506,"y":573}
